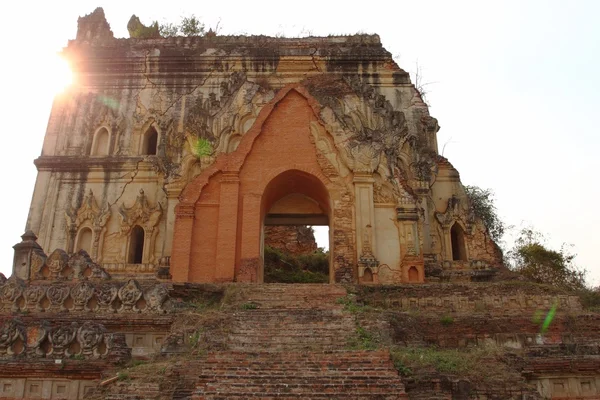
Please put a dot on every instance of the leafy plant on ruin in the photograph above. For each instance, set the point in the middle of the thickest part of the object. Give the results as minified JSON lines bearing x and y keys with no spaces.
{"x":533,"y":259}
{"x":590,"y":298}
{"x":249,"y":306}
{"x":482,"y":204}
{"x":472,"y":364}
{"x":420,"y":85}
{"x":202,"y":148}
{"x":283,"y":267}
{"x":123,"y":376}
{"x":362,"y":340}
{"x":138,"y":30}
{"x":188,"y":26}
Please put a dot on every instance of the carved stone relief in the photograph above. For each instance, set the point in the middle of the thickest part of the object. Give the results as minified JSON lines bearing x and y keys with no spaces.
{"x":90,"y":215}
{"x":456,"y":211}
{"x":147,"y":218}
{"x":129,"y":295}
{"x":11,"y":333}
{"x":41,"y":339}
{"x":10,"y":293}
{"x":84,"y":296}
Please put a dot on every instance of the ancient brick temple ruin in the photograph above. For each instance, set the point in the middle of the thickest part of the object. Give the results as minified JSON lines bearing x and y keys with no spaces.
{"x":177,"y":152}
{"x":160,"y":169}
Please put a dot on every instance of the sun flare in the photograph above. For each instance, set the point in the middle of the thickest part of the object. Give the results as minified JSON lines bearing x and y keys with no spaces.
{"x":60,"y":74}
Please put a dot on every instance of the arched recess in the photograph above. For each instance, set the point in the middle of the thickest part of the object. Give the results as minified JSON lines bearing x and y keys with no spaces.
{"x":149,"y":144}
{"x":457,"y":238}
{"x":101,"y":142}
{"x":84,"y":240}
{"x":413,"y":274}
{"x":135,"y":253}
{"x":294,"y":197}
{"x":220,"y":215}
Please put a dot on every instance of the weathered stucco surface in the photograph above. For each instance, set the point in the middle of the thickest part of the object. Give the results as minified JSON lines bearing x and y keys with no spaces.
{"x":181,"y":137}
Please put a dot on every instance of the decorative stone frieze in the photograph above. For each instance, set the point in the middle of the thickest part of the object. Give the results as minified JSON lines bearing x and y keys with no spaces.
{"x":84,"y":296}
{"x":12,"y":338}
{"x":85,"y":340}
{"x":10,"y":293}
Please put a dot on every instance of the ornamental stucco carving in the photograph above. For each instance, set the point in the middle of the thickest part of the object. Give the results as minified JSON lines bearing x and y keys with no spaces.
{"x":42,"y":339}
{"x":57,"y":294}
{"x":456,"y":211}
{"x":89,"y":215}
{"x":11,"y":291}
{"x":145,"y":216}
{"x":129,"y":294}
{"x":11,"y":332}
{"x":83,"y":296}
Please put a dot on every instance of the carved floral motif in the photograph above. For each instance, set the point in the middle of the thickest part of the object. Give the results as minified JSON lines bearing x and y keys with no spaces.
{"x":91,"y":215}
{"x":81,"y":293}
{"x":105,"y":295}
{"x":129,"y":295}
{"x":17,"y":295}
{"x":61,"y":338}
{"x":90,"y":337}
{"x":41,"y":339}
{"x":56,"y":263}
{"x":456,"y":212}
{"x":33,"y":295}
{"x":11,"y":291}
{"x":11,"y":331}
{"x":57,"y":294}
{"x":155,"y":297}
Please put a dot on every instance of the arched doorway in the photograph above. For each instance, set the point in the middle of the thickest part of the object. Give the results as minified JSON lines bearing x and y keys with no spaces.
{"x":294,"y":199}
{"x":457,"y":238}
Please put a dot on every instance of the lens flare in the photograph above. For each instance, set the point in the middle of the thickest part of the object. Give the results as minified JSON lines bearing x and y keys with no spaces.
{"x":549,"y":318}
{"x":109,"y":102}
{"x":61,"y":74}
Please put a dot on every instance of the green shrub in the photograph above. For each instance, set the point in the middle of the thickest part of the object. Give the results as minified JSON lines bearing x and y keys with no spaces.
{"x":590,"y":299}
{"x":472,"y":363}
{"x":123,"y":376}
{"x":285,"y":268}
{"x":362,"y":340}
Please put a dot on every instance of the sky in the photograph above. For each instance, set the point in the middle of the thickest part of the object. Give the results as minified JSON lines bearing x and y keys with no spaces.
{"x":515,"y":86}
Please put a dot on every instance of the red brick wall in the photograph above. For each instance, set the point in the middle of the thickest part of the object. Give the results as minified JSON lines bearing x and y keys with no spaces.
{"x":276,"y":157}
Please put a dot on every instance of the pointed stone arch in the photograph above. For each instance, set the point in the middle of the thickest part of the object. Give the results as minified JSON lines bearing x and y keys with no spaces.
{"x":218,"y":223}
{"x":101,"y":142}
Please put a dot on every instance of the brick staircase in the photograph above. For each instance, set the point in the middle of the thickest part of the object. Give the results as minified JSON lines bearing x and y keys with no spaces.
{"x":290,"y":345}
{"x":298,"y":375}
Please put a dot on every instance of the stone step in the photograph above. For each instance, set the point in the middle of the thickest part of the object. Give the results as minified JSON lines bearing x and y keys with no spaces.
{"x":324,"y":356}
{"x":334,"y":374}
{"x":370,"y":377}
{"x":294,"y":396}
{"x":289,"y":297}
{"x":307,"y":388}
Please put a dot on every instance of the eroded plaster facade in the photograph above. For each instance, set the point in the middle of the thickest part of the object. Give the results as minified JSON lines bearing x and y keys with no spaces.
{"x":176,"y":152}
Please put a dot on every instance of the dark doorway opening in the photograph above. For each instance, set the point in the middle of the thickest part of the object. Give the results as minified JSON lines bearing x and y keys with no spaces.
{"x":150,"y":142}
{"x":136,"y":245}
{"x":457,"y":237}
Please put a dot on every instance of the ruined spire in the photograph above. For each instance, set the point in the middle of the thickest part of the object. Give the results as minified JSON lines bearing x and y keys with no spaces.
{"x":94,"y":26}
